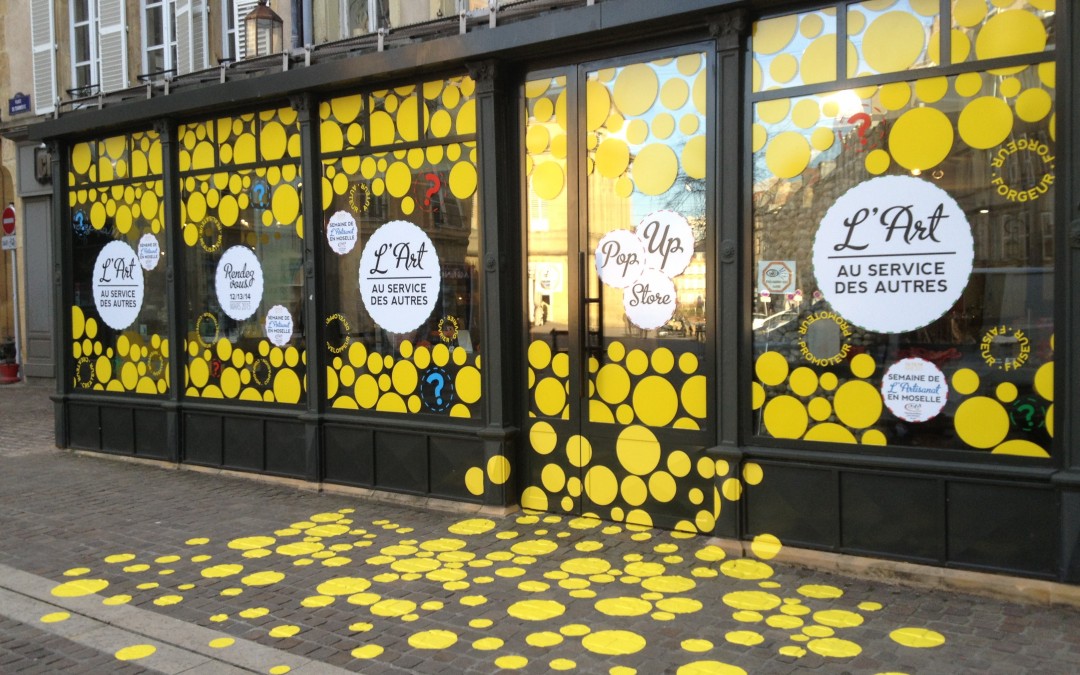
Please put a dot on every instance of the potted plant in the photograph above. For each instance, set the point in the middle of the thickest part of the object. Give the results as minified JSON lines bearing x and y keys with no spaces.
{"x":9,"y":368}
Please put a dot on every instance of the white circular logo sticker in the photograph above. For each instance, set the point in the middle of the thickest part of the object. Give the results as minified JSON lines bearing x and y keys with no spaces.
{"x":893,"y":254}
{"x":399,"y":276}
{"x":668,"y":241}
{"x":341,"y":232}
{"x":239,"y":282}
{"x":914,"y":390}
{"x":620,"y":258}
{"x":279,"y":325}
{"x":118,"y":285}
{"x":650,"y":300}
{"x":149,"y":252}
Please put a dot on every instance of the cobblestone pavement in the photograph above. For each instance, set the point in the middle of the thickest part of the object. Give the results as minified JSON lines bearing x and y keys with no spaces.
{"x":202,"y":573}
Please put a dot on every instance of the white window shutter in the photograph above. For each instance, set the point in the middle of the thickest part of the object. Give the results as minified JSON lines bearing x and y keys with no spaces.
{"x":112,"y":22}
{"x":242,"y":8}
{"x":43,"y":40}
{"x":182,"y":15}
{"x":200,"y":44}
{"x":192,"y":52}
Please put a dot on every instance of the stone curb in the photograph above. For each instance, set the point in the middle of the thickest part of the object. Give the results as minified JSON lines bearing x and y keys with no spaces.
{"x":181,"y":647}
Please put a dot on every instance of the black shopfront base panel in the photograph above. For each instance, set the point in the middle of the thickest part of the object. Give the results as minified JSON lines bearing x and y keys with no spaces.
{"x":962,"y":522}
{"x":122,"y":429}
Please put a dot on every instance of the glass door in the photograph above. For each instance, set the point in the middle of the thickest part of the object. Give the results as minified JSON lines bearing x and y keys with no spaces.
{"x":619,"y":276}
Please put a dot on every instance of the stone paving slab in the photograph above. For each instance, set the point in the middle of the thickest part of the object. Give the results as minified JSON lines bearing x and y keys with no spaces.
{"x":374,"y":587}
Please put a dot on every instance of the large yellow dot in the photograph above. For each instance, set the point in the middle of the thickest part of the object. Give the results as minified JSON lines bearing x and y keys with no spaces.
{"x":536,"y":610}
{"x":1044,"y":381}
{"x":636,"y":88}
{"x":613,"y":642}
{"x":858,"y":404}
{"x":542,"y":438}
{"x":772,"y":35}
{"x":612,"y":383}
{"x":1033,"y":105}
{"x":548,"y":180}
{"x":655,"y":169}
{"x":921,"y":138}
{"x":638,"y":450}
{"x":771,"y":368}
{"x":655,"y":401}
{"x":1009,"y":33}
{"x":787,"y":154}
{"x":969,"y":13}
{"x":784,"y":68}
{"x":550,"y":396}
{"x":981,"y":422}
{"x":919,"y":638}
{"x":932,"y":89}
{"x":285,"y":204}
{"x":287,"y":387}
{"x":578,"y":450}
{"x":985,"y":122}
{"x":893,"y":42}
{"x":601,"y":485}
{"x":877,"y":162}
{"x":785,"y":417}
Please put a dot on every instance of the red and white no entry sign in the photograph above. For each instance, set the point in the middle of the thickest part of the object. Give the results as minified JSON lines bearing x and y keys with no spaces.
{"x":9,"y":219}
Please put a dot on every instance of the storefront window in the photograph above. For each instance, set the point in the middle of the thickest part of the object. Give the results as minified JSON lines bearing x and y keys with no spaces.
{"x":244,"y":258}
{"x":903,"y":240}
{"x":403,"y":330}
{"x":119,"y":321}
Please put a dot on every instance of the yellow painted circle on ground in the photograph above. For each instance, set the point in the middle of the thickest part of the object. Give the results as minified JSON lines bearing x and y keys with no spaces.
{"x":985,"y":122}
{"x":920,"y":638}
{"x":613,"y":642}
{"x":79,"y":588}
{"x":655,"y":169}
{"x":433,"y":639}
{"x":135,"y":652}
{"x":921,"y":138}
{"x":831,"y":647}
{"x":536,"y":610}
{"x":981,"y":422}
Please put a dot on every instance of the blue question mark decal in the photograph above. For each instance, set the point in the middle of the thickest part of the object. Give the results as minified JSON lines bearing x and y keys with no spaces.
{"x":437,"y":389}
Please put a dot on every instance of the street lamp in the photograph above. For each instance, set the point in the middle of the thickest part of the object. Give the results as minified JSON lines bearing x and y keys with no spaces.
{"x":263,"y":31}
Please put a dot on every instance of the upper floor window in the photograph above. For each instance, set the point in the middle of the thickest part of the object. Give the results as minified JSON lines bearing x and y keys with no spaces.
{"x":84,"y":53}
{"x":159,"y":36}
